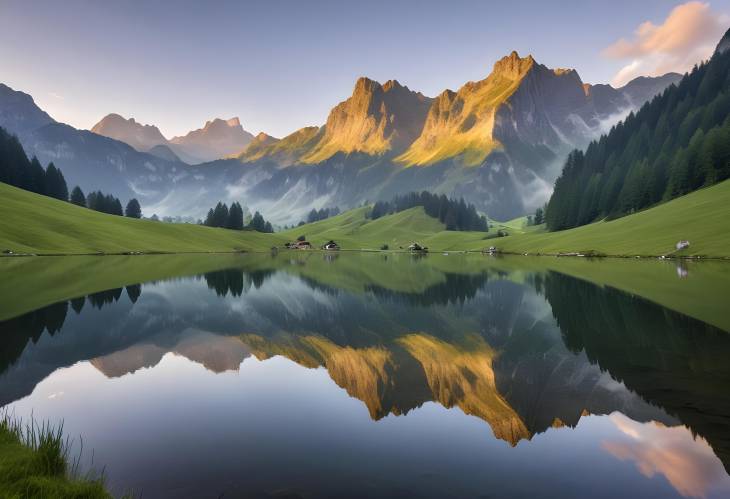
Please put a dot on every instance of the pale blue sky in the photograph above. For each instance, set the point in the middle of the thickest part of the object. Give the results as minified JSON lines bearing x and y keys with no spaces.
{"x":281,"y":65}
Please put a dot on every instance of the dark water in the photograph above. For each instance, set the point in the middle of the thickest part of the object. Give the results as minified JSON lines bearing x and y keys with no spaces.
{"x":364,"y":376}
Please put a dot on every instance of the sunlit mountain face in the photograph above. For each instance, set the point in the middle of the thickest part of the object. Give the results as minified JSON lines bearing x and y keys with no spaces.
{"x":499,"y":142}
{"x":367,"y":375}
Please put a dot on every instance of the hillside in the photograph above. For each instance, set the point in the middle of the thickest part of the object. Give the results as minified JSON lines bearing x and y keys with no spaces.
{"x":30,"y":223}
{"x":700,"y":217}
{"x":352,"y":230}
{"x":675,"y":144}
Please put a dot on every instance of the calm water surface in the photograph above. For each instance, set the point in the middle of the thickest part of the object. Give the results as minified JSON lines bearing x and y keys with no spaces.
{"x":368,"y":376}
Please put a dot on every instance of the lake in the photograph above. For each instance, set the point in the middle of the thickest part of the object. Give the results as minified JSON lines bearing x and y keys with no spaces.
{"x":309,"y":374}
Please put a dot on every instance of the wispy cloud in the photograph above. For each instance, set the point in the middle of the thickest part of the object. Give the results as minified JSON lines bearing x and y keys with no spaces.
{"x":56,"y":96}
{"x":688,"y":35}
{"x":687,"y":462}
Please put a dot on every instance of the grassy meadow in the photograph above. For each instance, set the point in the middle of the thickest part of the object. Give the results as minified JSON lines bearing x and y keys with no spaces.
{"x":35,"y":224}
{"x":30,"y":223}
{"x":702,"y":217}
{"x":34,"y":462}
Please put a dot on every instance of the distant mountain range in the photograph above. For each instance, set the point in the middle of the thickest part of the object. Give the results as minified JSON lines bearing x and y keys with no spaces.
{"x":499,"y":143}
{"x":217,"y":139}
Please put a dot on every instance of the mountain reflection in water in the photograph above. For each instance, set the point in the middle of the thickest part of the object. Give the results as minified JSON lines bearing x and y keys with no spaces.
{"x":526,"y":353}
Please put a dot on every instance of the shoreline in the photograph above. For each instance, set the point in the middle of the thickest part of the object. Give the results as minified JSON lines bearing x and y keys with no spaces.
{"x":365,"y":250}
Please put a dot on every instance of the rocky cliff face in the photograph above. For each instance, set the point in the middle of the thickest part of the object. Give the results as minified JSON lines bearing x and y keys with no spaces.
{"x":377,"y":119}
{"x":141,"y":137}
{"x":498,"y":142}
{"x":284,"y":152}
{"x":460,"y":125}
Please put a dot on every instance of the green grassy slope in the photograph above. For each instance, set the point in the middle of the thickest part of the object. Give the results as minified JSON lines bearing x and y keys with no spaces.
{"x":352,"y":230}
{"x":35,"y":224}
{"x":702,"y":217}
{"x":30,"y":223}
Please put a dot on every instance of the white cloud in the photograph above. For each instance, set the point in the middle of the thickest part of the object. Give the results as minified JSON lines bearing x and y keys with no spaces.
{"x":687,"y":36}
{"x":686,"y":461}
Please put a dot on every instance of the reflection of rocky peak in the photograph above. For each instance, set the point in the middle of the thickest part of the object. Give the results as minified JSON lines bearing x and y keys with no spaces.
{"x":405,"y":374}
{"x":387,"y":380}
{"x":216,"y":353}
{"x":129,"y":360}
{"x":462,"y":376}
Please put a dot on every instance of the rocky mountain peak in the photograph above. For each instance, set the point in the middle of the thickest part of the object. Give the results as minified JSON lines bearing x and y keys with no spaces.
{"x":221,"y":124}
{"x":19,"y":113}
{"x":513,"y":66}
{"x":141,"y":137}
{"x":375,"y":119}
{"x":263,"y":137}
{"x":219,"y":138}
{"x":393,"y":84}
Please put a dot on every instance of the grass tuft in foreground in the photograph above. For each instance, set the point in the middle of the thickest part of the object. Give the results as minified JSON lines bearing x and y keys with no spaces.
{"x":34,"y":462}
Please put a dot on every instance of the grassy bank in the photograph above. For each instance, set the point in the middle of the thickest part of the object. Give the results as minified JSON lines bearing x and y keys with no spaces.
{"x":34,"y":462}
{"x":701,"y":217}
{"x":353,"y":230}
{"x":30,"y":223}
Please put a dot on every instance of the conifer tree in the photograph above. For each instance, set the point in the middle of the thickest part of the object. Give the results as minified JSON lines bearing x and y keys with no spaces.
{"x":55,"y":183}
{"x":133,"y":210}
{"x":77,"y":197}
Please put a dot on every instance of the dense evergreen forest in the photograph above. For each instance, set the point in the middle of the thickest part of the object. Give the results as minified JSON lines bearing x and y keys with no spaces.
{"x":28,"y":174}
{"x":323,"y":214}
{"x":455,"y":214}
{"x":675,"y":144}
{"x":232,"y":218}
{"x":19,"y":171}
